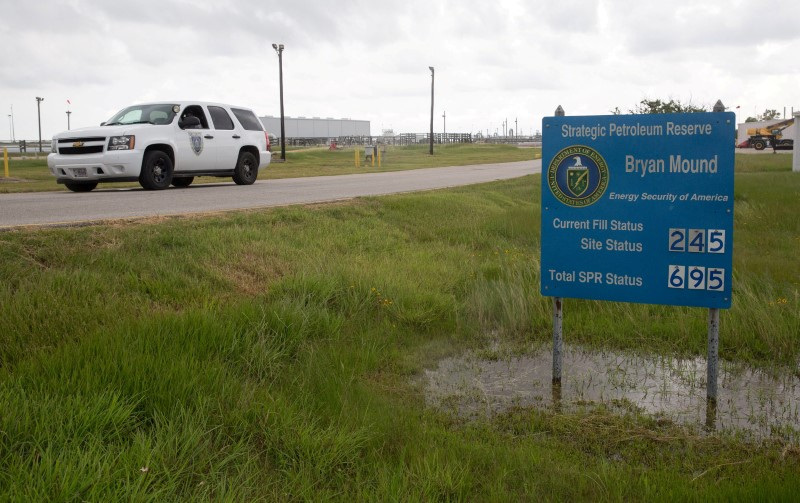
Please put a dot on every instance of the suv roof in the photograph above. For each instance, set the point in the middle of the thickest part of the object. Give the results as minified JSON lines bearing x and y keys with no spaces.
{"x":183,"y":103}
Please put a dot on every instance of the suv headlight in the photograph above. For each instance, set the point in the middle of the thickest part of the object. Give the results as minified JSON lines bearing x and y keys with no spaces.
{"x":121,"y":142}
{"x":54,"y":146}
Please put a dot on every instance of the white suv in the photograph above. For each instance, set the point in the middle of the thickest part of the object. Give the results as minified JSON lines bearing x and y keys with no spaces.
{"x":158,"y":144}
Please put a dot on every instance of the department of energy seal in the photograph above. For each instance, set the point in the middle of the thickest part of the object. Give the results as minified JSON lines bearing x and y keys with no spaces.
{"x":578,"y":176}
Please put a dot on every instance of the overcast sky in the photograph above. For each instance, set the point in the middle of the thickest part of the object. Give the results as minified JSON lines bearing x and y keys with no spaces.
{"x":369,"y":60}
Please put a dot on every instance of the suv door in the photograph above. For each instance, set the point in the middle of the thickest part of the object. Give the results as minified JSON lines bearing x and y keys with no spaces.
{"x":196,"y":148}
{"x":227,"y":137}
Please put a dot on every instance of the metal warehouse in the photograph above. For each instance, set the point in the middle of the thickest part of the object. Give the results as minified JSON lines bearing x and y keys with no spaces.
{"x":301,"y":127}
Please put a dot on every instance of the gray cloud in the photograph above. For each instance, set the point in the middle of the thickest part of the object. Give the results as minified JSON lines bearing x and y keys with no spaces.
{"x":656,"y":27}
{"x":370,"y":60}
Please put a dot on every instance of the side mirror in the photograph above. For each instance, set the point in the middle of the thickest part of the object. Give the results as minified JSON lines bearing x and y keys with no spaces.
{"x":189,"y":122}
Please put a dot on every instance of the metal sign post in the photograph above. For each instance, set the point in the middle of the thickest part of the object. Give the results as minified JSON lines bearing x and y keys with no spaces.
{"x":713,"y":354}
{"x":558,"y":342}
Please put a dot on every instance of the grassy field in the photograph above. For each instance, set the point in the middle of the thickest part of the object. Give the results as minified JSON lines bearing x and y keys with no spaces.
{"x":759,"y":163}
{"x":32,"y":175}
{"x":275,"y":355}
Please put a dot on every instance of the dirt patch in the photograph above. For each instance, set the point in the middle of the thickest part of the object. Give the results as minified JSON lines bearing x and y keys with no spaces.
{"x":252,"y":273}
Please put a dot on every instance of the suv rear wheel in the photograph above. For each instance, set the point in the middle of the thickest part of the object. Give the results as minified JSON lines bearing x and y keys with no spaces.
{"x":246,"y":170}
{"x":156,"y":171}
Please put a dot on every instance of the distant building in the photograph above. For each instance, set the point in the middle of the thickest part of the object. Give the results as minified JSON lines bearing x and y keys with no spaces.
{"x":301,"y":127}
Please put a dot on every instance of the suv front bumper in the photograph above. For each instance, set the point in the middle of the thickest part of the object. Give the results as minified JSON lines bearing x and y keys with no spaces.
{"x":108,"y":166}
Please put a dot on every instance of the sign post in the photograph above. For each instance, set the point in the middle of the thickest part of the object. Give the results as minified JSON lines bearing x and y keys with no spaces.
{"x":639,"y":208}
{"x":558,"y":340}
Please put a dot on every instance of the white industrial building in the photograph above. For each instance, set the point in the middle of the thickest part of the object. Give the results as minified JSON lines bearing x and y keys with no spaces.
{"x":302,"y":127}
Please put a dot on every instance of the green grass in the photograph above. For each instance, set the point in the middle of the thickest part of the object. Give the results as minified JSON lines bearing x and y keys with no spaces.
{"x":276,"y":354}
{"x":759,"y":163}
{"x":32,"y":175}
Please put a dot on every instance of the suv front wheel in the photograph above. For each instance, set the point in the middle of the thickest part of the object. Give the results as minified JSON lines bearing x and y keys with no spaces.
{"x":182,"y":182}
{"x":156,"y":171}
{"x":246,"y":170}
{"x":80,"y":186}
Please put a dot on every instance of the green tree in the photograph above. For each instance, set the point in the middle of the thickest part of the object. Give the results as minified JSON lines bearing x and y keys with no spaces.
{"x":751,"y":119}
{"x":769,"y":114}
{"x":658,"y":106}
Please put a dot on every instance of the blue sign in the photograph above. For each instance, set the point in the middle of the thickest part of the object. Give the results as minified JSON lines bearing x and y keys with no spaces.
{"x":638,"y":208}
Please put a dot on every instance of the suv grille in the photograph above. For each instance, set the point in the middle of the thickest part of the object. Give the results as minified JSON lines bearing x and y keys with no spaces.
{"x":77,"y":146}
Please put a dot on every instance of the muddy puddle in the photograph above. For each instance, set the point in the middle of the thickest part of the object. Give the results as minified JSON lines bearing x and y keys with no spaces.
{"x":758,"y":403}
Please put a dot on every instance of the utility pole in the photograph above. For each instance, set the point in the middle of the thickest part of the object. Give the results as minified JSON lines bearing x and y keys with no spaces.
{"x":39,"y":115}
{"x":279,"y":49}
{"x":444,"y":123}
{"x":795,"y":153}
{"x":13,"y":134}
{"x":431,"y":138}
{"x":516,"y":127}
{"x":68,"y":114}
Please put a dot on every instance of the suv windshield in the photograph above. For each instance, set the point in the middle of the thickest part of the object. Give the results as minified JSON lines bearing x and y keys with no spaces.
{"x":144,"y":114}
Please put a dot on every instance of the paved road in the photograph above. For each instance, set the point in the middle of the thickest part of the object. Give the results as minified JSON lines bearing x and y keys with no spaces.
{"x":60,"y":208}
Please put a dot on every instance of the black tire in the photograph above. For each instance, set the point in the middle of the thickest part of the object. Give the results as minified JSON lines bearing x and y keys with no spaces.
{"x":246,"y":170}
{"x":156,"y":171}
{"x":80,"y":186}
{"x":759,"y":145}
{"x":182,"y":182}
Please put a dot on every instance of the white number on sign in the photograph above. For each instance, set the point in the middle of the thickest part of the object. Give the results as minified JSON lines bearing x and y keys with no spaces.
{"x":677,"y":276}
{"x":716,"y":279}
{"x":677,"y":240}
{"x":716,"y":241}
{"x":697,"y":240}
{"x":697,"y":278}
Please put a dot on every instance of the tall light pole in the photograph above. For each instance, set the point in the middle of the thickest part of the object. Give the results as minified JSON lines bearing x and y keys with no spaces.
{"x":68,"y":114}
{"x":10,"y":129}
{"x":279,"y":49}
{"x":444,"y":124}
{"x":39,"y":115}
{"x":13,"y":135}
{"x":431,"y":138}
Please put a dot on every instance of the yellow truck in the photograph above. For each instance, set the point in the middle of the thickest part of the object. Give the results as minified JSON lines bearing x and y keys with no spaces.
{"x":771,"y":135}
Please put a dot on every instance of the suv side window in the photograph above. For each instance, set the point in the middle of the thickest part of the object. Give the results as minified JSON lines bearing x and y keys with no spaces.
{"x":196,"y":111}
{"x":248,"y":119}
{"x":220,"y":118}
